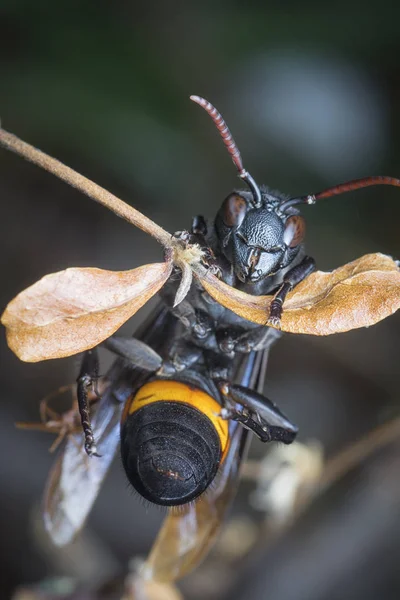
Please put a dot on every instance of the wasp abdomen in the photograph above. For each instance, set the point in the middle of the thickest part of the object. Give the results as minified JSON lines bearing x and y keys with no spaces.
{"x":172,"y":442}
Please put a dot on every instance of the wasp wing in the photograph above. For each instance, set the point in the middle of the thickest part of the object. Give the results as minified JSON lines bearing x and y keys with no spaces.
{"x":75,"y":479}
{"x":188,"y":533}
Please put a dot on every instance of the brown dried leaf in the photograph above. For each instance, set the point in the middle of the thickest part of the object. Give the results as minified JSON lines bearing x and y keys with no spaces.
{"x":74,"y":310}
{"x":358,"y":294}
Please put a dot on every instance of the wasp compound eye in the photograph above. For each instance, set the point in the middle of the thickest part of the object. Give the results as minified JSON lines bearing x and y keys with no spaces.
{"x":170,"y":449}
{"x":295,"y":229}
{"x":233,"y":210}
{"x":230,"y":217}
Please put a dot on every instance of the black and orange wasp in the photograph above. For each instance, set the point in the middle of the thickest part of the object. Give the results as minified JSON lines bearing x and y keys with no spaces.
{"x":186,"y":390}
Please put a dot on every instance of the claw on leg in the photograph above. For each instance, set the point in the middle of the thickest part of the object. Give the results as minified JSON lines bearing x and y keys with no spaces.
{"x":275,"y":314}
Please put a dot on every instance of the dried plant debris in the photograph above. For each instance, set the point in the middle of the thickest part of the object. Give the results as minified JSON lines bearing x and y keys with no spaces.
{"x":358,"y":294}
{"x":74,"y":310}
{"x":68,"y":312}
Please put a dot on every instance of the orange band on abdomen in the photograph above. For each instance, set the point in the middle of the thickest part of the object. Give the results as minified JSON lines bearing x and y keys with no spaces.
{"x":175,"y":391}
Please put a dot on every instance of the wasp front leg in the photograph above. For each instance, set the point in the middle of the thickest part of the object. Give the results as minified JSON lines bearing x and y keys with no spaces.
{"x":259,"y":414}
{"x":199,"y":233}
{"x":290,"y":280}
{"x":87,"y":380}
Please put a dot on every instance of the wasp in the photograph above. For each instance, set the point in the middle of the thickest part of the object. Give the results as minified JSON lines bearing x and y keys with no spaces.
{"x":185,"y":391}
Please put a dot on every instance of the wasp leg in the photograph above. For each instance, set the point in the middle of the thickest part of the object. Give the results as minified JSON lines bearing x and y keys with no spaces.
{"x":199,"y":226}
{"x":181,"y":355}
{"x":88,"y":375}
{"x":290,"y":280}
{"x":259,"y":414}
{"x":202,"y":326}
{"x":259,"y":338}
{"x":136,"y":352}
{"x":198,"y":322}
{"x":184,"y":311}
{"x":199,"y":232}
{"x":219,"y":366}
{"x":262,"y":431}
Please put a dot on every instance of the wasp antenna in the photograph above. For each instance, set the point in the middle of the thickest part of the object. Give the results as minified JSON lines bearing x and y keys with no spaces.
{"x":231,"y":146}
{"x":223,"y":130}
{"x":342,"y":188}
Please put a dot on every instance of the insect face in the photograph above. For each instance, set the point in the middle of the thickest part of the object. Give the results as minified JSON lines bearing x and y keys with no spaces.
{"x":172,"y":441}
{"x":257,"y":241}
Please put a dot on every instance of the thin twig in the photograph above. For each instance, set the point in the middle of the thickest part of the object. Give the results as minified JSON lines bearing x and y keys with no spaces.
{"x":356,"y":453}
{"x":85,"y":185}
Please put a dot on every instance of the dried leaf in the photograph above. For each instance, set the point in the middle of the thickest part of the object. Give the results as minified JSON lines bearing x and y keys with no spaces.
{"x":358,"y":294}
{"x":74,"y":310}
{"x":185,"y":283}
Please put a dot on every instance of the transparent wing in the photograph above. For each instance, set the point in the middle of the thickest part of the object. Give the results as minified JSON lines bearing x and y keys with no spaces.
{"x":76,"y":478}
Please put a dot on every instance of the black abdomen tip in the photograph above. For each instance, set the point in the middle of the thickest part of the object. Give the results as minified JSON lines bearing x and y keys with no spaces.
{"x":170,"y":452}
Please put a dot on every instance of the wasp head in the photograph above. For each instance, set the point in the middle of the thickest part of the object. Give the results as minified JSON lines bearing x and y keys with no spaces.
{"x":257,"y":241}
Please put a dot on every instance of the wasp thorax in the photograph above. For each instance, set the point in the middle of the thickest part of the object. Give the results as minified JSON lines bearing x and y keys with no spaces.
{"x":170,"y":451}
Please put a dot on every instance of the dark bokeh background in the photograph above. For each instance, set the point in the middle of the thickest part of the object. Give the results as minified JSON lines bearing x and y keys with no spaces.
{"x":311,"y":93}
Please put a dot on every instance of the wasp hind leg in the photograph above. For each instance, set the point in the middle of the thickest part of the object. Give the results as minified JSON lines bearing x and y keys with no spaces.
{"x":87,"y":380}
{"x":259,"y":414}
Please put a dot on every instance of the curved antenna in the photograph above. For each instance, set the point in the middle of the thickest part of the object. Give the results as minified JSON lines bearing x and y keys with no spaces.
{"x":231,"y":147}
{"x":342,"y":188}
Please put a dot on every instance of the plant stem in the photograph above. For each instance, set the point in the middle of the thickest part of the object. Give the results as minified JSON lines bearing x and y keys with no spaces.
{"x":359,"y":451}
{"x":85,"y":185}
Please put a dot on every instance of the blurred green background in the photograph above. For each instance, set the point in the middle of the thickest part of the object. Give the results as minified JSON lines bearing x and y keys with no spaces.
{"x":311,"y":93}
